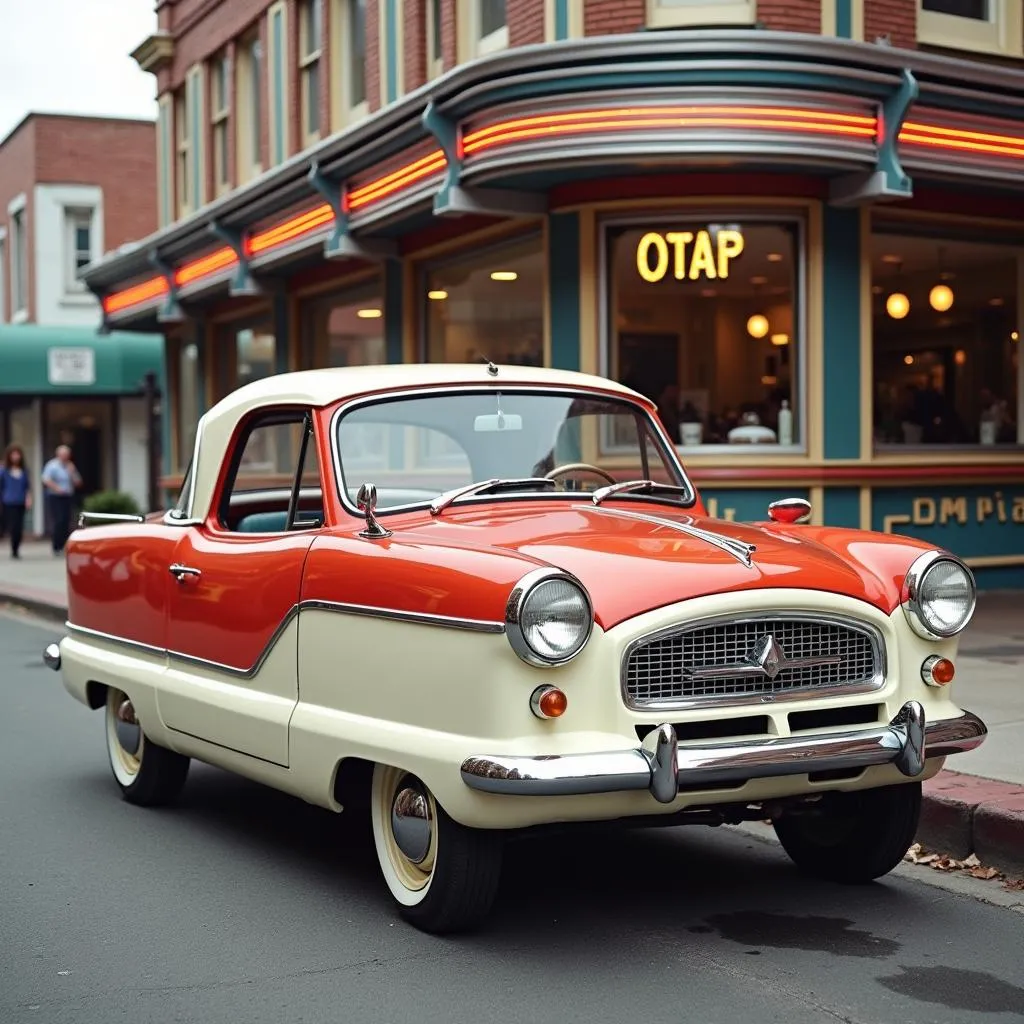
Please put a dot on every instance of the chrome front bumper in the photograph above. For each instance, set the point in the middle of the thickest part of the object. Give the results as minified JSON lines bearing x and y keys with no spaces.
{"x":661,"y":766}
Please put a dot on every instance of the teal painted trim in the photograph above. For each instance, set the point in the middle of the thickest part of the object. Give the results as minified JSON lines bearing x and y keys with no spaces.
{"x":1007,"y":577}
{"x":844,"y":18}
{"x":564,"y":283}
{"x":894,"y":111}
{"x":842,"y":507}
{"x":391,"y":48}
{"x":561,"y":19}
{"x":745,"y":506}
{"x":842,"y":333}
{"x":394,"y":310}
{"x":281,"y":334}
{"x":277,"y":147}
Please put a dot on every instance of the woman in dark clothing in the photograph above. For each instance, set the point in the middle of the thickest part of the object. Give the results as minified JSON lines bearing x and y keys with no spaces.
{"x":15,"y":495}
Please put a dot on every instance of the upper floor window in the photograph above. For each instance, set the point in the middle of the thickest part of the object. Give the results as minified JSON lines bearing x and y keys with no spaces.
{"x":985,"y":26}
{"x":486,"y":27}
{"x":183,"y":146}
{"x":310,"y":49}
{"x":78,"y":248}
{"x":676,"y":13}
{"x":3,"y":279}
{"x":19,"y":264}
{"x":435,"y":49}
{"x":349,"y":63}
{"x":220,"y":104}
{"x":248,"y":90}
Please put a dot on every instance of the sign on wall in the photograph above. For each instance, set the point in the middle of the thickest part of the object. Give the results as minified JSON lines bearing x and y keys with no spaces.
{"x":687,"y":255}
{"x":71,"y":365}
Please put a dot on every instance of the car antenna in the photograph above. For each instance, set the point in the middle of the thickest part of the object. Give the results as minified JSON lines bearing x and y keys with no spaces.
{"x":492,"y":367}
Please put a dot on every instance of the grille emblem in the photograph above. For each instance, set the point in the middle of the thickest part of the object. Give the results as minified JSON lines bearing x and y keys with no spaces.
{"x":768,"y":655}
{"x":765,"y":658}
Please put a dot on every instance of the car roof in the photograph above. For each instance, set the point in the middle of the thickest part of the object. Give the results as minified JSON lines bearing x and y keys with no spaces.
{"x":320,"y":388}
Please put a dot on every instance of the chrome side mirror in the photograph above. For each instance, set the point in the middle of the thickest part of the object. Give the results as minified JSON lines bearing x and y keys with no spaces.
{"x":366,"y":502}
{"x":790,"y":510}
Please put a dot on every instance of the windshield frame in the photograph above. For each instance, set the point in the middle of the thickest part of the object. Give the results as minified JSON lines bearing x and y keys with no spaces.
{"x":667,"y":451}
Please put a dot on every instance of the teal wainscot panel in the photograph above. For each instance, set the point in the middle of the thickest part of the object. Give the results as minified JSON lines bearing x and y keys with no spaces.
{"x":744,"y":506}
{"x":978,"y":522}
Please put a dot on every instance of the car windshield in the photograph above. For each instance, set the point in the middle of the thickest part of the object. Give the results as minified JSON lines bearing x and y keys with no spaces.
{"x":415,"y":449}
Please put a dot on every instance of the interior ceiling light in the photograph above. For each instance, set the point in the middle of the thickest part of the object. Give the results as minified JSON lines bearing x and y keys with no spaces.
{"x":941,"y":298}
{"x":775,"y":257}
{"x":897,"y":305}
{"x":909,"y":360}
{"x":369,"y":314}
{"x":757,"y":325}
{"x":780,"y":339}
{"x":503,"y":275}
{"x":437,"y":294}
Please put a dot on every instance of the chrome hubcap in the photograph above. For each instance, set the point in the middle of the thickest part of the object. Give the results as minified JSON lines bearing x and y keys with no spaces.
{"x":129,"y":733}
{"x":411,"y":821}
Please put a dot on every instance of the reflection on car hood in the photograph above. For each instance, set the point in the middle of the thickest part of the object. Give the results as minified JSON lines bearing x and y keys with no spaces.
{"x":634,"y":560}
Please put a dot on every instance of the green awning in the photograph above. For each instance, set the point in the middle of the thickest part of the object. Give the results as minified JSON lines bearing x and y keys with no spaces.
{"x":40,"y":360}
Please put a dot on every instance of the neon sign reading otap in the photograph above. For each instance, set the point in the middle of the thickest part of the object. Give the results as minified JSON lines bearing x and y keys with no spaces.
{"x":687,"y":255}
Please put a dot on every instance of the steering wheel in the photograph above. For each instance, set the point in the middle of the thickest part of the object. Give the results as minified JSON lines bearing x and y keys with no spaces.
{"x":572,"y":468}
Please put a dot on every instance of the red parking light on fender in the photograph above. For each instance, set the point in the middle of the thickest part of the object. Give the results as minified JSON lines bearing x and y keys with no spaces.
{"x":937,"y":671}
{"x":548,"y":702}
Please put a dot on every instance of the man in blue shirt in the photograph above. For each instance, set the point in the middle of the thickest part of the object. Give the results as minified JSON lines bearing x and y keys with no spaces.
{"x":61,"y":478}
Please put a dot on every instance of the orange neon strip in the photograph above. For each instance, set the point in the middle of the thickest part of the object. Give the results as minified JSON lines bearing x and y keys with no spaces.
{"x":571,"y":123}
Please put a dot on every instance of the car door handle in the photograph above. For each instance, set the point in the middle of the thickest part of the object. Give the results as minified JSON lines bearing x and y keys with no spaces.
{"x":183,"y":572}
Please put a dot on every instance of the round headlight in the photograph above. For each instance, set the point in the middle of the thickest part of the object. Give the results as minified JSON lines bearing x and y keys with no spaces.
{"x":548,"y":618}
{"x":938,"y":596}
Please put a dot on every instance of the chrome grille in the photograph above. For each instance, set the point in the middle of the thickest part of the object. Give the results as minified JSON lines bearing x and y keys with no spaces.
{"x":690,"y":666}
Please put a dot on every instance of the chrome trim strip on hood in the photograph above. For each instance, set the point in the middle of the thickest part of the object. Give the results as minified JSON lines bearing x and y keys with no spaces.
{"x":740,"y":550}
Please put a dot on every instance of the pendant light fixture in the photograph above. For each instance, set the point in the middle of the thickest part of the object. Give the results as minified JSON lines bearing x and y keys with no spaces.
{"x":897,"y":305}
{"x":941,"y":296}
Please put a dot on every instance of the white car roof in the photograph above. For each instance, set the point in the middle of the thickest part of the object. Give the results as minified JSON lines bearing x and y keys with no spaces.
{"x":319,"y":388}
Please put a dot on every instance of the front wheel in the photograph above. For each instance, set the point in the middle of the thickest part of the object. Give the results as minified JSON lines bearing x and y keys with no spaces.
{"x":854,"y":837}
{"x":147,"y":774}
{"x":442,"y":875}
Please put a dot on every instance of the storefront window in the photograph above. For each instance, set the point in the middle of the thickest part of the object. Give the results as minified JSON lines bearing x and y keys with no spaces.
{"x":946,"y":354}
{"x":344,"y":329}
{"x":487,"y":305}
{"x":704,"y":317}
{"x":245,"y":352}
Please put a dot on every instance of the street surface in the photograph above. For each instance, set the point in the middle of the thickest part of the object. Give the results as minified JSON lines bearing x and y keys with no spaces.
{"x":243,"y":906}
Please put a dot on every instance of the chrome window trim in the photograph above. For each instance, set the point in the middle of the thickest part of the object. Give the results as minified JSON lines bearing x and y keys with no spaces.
{"x":187,"y":515}
{"x":875,"y":635}
{"x":912,"y":584}
{"x":513,"y":613}
{"x":339,"y":607}
{"x":668,"y":451}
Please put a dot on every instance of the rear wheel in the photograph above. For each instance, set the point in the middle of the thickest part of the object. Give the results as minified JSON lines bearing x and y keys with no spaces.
{"x":147,"y":774}
{"x":442,"y":875}
{"x":854,"y":837}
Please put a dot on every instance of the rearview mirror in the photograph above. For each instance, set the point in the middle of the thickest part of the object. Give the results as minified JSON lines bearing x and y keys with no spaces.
{"x":498,"y":421}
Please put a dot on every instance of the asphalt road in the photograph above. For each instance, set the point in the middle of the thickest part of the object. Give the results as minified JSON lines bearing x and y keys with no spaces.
{"x":243,"y":906}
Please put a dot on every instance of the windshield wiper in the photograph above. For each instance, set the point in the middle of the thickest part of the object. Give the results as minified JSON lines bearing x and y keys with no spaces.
{"x":629,"y":487}
{"x":442,"y":501}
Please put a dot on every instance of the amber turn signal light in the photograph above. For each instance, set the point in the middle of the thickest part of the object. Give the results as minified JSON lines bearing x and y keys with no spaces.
{"x":937,"y":671}
{"x":548,"y":702}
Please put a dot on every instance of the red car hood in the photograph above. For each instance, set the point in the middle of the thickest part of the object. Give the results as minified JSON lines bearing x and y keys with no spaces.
{"x":631,"y":563}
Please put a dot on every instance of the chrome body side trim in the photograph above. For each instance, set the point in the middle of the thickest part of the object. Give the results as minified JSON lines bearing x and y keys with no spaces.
{"x":739,"y":550}
{"x":797,"y":693}
{"x":906,"y":742}
{"x":419,"y":618}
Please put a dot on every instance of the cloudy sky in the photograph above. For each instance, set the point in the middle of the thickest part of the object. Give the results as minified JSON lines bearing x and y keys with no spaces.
{"x":71,"y":56}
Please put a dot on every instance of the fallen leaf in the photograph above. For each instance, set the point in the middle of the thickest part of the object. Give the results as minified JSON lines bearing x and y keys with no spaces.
{"x":1014,"y":884}
{"x":985,"y":874}
{"x":972,"y":861}
{"x":928,"y":859}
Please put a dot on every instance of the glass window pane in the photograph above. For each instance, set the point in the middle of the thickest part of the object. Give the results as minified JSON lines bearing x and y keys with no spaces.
{"x":979,"y":10}
{"x":356,"y":50}
{"x":435,"y":30}
{"x":255,"y":355}
{"x":492,"y":16}
{"x":488,"y":306}
{"x":313,"y":98}
{"x":703,"y":320}
{"x":346,"y":329}
{"x":189,"y":383}
{"x":946,"y":352}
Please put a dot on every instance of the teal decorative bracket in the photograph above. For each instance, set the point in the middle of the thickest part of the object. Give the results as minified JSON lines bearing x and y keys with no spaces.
{"x":456,"y":200}
{"x":888,"y":181}
{"x":243,"y":283}
{"x":171,"y":311}
{"x":342,"y":243}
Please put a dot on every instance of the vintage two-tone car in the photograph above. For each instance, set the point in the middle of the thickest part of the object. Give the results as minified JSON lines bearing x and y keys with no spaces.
{"x":481,"y":598}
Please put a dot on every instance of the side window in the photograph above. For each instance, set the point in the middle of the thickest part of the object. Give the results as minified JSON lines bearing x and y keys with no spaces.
{"x":274,"y":481}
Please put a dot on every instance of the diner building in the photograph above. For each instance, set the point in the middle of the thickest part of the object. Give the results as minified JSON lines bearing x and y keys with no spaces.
{"x":797,"y":226}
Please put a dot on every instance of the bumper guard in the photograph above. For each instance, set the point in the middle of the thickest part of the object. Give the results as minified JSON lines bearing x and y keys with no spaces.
{"x":661,"y":766}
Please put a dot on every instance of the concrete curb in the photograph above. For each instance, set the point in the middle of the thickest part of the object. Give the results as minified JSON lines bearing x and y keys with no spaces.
{"x":38,"y":602}
{"x":965,"y":814}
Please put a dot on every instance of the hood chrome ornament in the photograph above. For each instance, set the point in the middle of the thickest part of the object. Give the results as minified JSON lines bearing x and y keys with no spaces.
{"x":739,"y":549}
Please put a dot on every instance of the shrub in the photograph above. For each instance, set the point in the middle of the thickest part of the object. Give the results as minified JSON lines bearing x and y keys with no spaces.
{"x":116,"y":502}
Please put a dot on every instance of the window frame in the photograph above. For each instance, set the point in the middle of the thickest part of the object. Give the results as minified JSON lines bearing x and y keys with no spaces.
{"x":369,"y":290}
{"x":433,"y":39}
{"x":472,"y":43}
{"x":1002,"y":34}
{"x":184,"y":187}
{"x":310,"y":65}
{"x":249,"y":66}
{"x":18,"y":258}
{"x":76,"y":217}
{"x":910,"y":230}
{"x":801,"y":312}
{"x":701,"y":12}
{"x":3,"y":278}
{"x":220,"y":130}
{"x":344,"y":109}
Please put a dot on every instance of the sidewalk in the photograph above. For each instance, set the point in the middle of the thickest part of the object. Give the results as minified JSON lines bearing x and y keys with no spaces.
{"x":978,"y":807}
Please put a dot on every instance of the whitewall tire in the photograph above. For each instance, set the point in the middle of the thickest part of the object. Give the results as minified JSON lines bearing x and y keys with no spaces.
{"x":442,"y":875}
{"x":147,"y":774}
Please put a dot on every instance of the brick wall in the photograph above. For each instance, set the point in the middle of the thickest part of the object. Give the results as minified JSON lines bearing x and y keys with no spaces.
{"x":791,"y":15}
{"x":449,"y":33}
{"x":895,"y":18}
{"x":604,"y":17}
{"x":17,"y":175}
{"x":373,"y":54}
{"x":525,"y":22}
{"x":414,"y":59}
